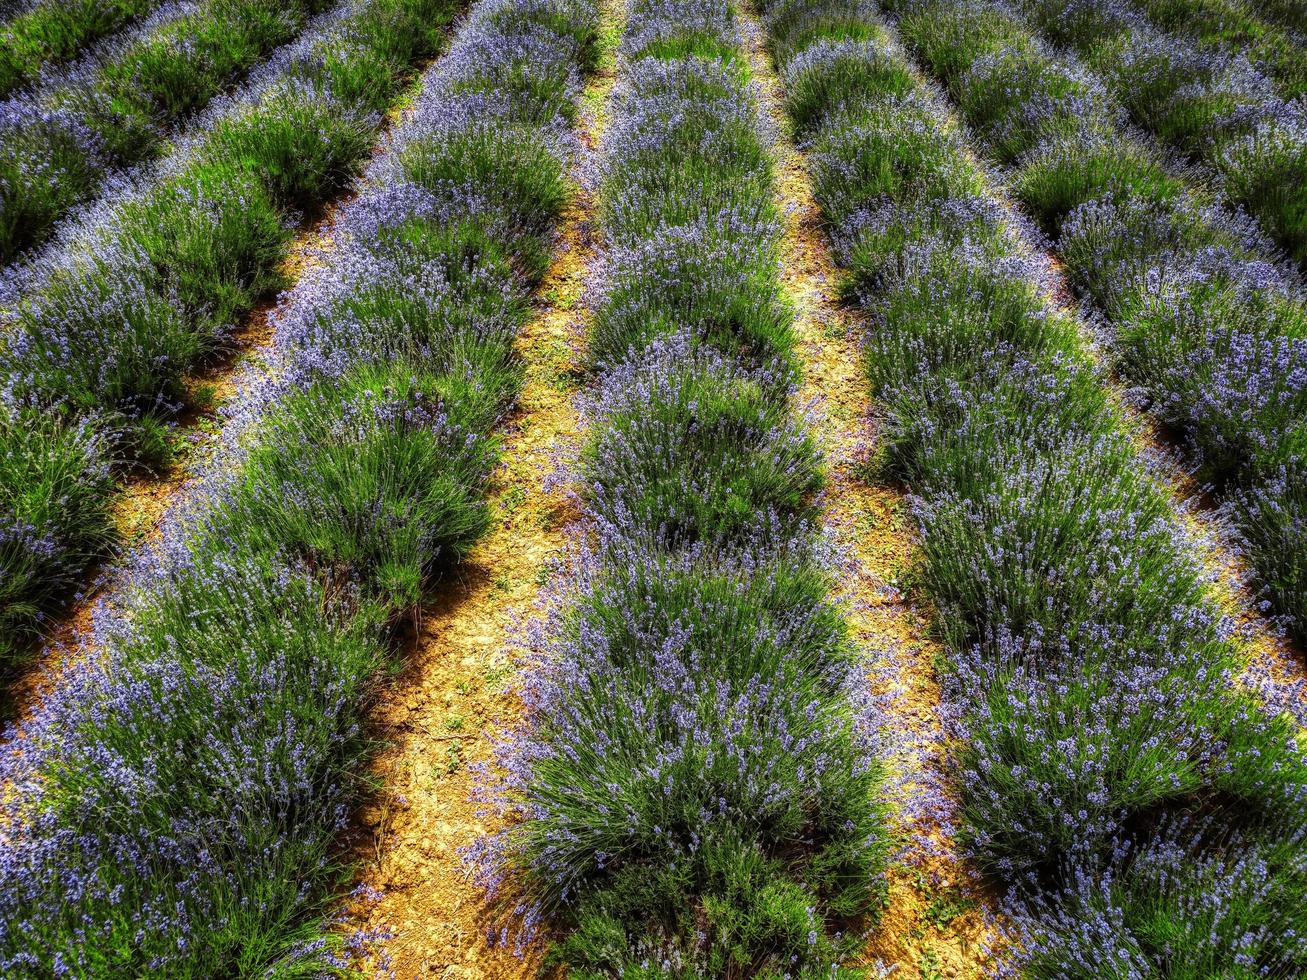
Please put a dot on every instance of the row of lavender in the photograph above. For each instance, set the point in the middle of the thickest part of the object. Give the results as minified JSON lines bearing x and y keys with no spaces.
{"x":1232,"y":27}
{"x":1144,"y":814}
{"x":1213,"y":107}
{"x":1212,"y":335}
{"x":114,"y":108}
{"x":101,"y":334}
{"x":39,"y":34}
{"x":697,"y":788}
{"x":172,"y":807}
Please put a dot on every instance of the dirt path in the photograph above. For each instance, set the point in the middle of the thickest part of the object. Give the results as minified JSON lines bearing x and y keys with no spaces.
{"x":934,"y":925}
{"x":436,"y":718}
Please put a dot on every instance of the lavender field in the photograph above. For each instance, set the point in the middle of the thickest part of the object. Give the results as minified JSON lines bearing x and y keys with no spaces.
{"x":648,"y":489}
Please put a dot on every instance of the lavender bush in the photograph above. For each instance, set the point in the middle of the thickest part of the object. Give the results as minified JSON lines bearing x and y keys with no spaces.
{"x":38,"y":34}
{"x":695,"y":231}
{"x":115,"y":108}
{"x":689,"y":452}
{"x":1212,"y":105}
{"x":1205,"y":325}
{"x":1229,"y":27}
{"x":148,"y":286}
{"x":56,"y":522}
{"x":1285,"y":12}
{"x":1219,"y":903}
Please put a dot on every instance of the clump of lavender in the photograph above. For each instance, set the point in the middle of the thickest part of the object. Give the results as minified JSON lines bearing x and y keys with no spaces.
{"x":685,"y":722}
{"x":1221,"y":26}
{"x":1015,"y":100}
{"x":689,"y":451}
{"x":176,"y":800}
{"x":1205,"y":324}
{"x":39,"y":36}
{"x":1212,"y":901}
{"x":57,"y":522}
{"x":1214,"y":106}
{"x":113,"y":109}
{"x":828,"y":76}
{"x":793,"y":26}
{"x":1271,"y":518}
{"x":48,"y":156}
{"x":695,"y":233}
{"x":676,"y":30}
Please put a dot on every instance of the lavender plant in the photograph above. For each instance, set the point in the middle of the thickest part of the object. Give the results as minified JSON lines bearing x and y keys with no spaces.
{"x":151,"y":284}
{"x":176,"y":799}
{"x":1212,"y":105}
{"x":696,"y":788}
{"x":1214,"y":903}
{"x":1273,"y":532}
{"x":693,"y":250}
{"x":688,"y":452}
{"x":57,"y":521}
{"x":1284,"y":12}
{"x":38,"y":35}
{"x":1229,"y":27}
{"x":700,"y":779}
{"x":1142,"y":811}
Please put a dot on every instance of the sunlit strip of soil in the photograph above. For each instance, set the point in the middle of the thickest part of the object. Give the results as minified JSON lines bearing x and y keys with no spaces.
{"x":437,"y":717}
{"x":935,"y":924}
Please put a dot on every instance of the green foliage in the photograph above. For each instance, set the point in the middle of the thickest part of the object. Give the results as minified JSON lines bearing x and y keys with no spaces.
{"x":744,"y":904}
{"x":836,"y":77}
{"x":380,"y":473}
{"x":1063,"y":174}
{"x":520,"y":180}
{"x":707,"y":456}
{"x":54,"y":31}
{"x":55,"y":482}
{"x":709,"y":880}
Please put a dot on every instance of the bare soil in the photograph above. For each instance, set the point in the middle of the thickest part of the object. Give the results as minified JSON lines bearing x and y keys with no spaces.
{"x":437,"y":718}
{"x":934,"y":925}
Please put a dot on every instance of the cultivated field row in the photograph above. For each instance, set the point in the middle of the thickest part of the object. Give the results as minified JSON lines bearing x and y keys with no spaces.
{"x":788,"y":557}
{"x":697,"y":782}
{"x":1109,"y":764}
{"x":117,"y":106}
{"x":1211,"y":334}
